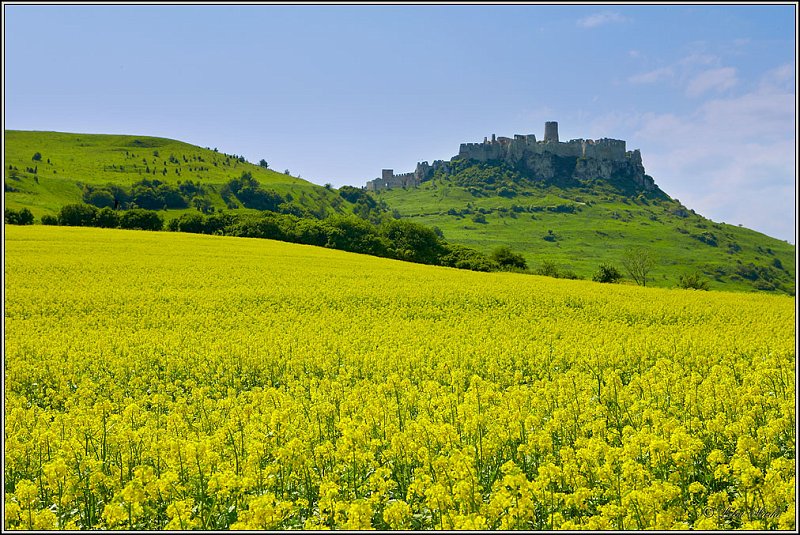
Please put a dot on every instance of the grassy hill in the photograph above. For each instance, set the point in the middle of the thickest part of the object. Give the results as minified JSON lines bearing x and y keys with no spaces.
{"x":578,"y":228}
{"x":69,"y":162}
{"x":574,"y":226}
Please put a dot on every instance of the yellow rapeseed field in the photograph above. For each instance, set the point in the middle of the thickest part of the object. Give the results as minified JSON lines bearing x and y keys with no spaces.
{"x":173,"y":381}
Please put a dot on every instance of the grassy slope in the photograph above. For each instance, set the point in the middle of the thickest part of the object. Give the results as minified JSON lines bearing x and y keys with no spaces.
{"x":602,"y":228}
{"x":76,"y":159}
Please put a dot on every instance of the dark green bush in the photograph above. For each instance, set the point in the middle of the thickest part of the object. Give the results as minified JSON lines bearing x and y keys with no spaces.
{"x":607,"y":273}
{"x":505,"y":258}
{"x":106,"y":218}
{"x":77,"y":215}
{"x":22,"y":216}
{"x":140,"y":219}
{"x":461,"y":257}
{"x":412,"y":241}
{"x":692,"y":281}
{"x":548,"y":269}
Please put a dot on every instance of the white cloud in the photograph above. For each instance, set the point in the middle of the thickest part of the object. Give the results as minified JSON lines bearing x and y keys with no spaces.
{"x":600,"y":19}
{"x":732,"y":158}
{"x":712,"y":80}
{"x":780,"y":78}
{"x":653,"y":76}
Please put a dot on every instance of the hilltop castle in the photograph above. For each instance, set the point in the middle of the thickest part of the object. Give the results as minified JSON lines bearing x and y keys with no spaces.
{"x":601,"y":158}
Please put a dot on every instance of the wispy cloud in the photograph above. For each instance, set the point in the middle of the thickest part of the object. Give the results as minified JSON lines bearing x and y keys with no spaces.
{"x":600,"y":19}
{"x":653,"y":76}
{"x":697,"y":73}
{"x":712,"y":80}
{"x":731,"y":157}
{"x":780,"y":78}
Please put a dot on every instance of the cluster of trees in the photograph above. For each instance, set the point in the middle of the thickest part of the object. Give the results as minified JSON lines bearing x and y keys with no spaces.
{"x":85,"y":215}
{"x":365,"y":205}
{"x":18,"y":217}
{"x":392,"y":238}
{"x":250,"y":193}
{"x":638,"y":262}
{"x":147,"y":194}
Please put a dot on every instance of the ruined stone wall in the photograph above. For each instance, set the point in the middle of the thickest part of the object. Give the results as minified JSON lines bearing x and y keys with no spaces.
{"x":601,"y":158}
{"x":605,"y":149}
{"x":389,"y":180}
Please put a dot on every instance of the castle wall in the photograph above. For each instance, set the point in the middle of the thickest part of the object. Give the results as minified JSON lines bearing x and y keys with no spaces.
{"x":605,"y":149}
{"x":390,"y":180}
{"x":527,"y":150}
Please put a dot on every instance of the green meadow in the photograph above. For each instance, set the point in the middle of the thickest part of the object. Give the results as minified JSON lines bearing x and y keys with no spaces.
{"x":578,"y":229}
{"x":70,"y":161}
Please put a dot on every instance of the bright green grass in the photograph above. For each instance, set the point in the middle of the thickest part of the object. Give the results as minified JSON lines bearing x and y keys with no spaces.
{"x":70,"y":160}
{"x":599,"y":232}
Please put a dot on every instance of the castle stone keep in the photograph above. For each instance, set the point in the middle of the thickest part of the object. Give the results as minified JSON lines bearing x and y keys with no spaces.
{"x":600,"y":158}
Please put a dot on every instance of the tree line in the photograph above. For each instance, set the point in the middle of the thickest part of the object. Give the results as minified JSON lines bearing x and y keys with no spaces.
{"x":392,"y":238}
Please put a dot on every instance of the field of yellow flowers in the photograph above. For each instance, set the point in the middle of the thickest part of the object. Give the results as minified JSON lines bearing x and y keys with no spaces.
{"x":175,"y":381}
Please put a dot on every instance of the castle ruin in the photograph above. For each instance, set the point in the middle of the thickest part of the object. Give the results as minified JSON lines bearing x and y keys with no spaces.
{"x":600,"y":158}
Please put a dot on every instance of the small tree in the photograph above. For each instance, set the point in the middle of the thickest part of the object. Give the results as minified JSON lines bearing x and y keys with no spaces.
{"x":140,"y":219}
{"x":106,"y":218}
{"x":638,"y":261}
{"x":202,"y":204}
{"x":548,"y":269}
{"x":607,"y":273}
{"x":77,"y":215}
{"x":37,"y":157}
{"x":508,"y":259}
{"x":692,"y":281}
{"x":263,"y":163}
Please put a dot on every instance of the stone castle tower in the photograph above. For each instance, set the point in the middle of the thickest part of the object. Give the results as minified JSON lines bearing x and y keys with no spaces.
{"x":551,"y":131}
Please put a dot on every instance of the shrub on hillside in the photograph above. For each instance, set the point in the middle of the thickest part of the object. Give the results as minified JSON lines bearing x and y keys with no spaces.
{"x":607,"y":273}
{"x":548,"y":269}
{"x":101,"y":198}
{"x":110,"y":195}
{"x":350,"y":233}
{"x":461,"y":257}
{"x":106,"y":218}
{"x":692,"y":281}
{"x":156,"y":195}
{"x":193,"y":222}
{"x":48,"y":219}
{"x":77,"y":215}
{"x":140,"y":219}
{"x":250,"y":193}
{"x":412,"y":241}
{"x":505,"y":258}
{"x":22,"y":216}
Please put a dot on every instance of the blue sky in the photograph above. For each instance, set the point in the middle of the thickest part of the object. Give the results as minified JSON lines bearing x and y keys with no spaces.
{"x":335,"y":93}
